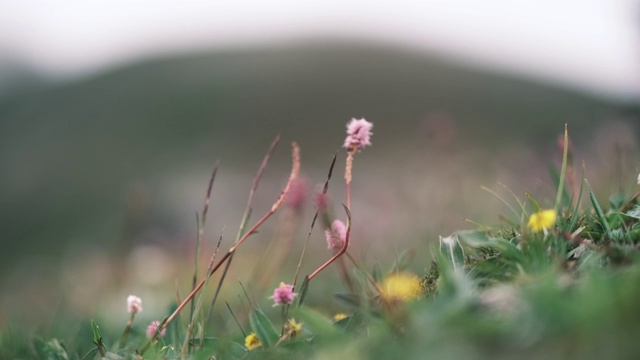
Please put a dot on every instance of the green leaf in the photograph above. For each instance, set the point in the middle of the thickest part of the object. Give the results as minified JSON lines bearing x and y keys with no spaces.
{"x":617,"y":201}
{"x":352,"y":323}
{"x":634,"y":235}
{"x":97,"y":338}
{"x":376,"y":273}
{"x":220,"y":348}
{"x":264,"y":329}
{"x":555,"y":179}
{"x":97,"y":335}
{"x":451,"y":249}
{"x":319,"y":324}
{"x":563,"y":169}
{"x":575,"y":215}
{"x":349,"y":299}
{"x":634,"y":212}
{"x":478,"y":239}
{"x":598,"y":209}
{"x":55,"y":350}
{"x":303,"y":291}
{"x":297,"y":344}
{"x":452,"y":283}
{"x":344,"y":322}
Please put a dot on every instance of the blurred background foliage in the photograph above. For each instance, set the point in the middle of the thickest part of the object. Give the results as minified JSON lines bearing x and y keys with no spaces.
{"x":109,"y":169}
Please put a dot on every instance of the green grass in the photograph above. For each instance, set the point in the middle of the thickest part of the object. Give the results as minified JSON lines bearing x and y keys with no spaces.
{"x":505,"y":291}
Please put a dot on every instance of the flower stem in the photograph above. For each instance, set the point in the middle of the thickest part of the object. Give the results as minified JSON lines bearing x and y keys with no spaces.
{"x":126,"y":330}
{"x":294,"y":174}
{"x":340,"y":252}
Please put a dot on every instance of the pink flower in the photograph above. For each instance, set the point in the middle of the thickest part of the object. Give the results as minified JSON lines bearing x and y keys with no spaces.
{"x":297,"y":196}
{"x":638,"y":179}
{"x":336,"y":236}
{"x":151,"y":329}
{"x":283,"y":294}
{"x":358,"y":134}
{"x":134,"y":304}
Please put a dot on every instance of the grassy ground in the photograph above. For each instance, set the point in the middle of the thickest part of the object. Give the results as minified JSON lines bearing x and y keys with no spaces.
{"x":552,"y":280}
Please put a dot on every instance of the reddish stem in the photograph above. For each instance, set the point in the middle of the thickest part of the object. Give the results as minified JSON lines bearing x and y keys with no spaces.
{"x":294,"y":174}
{"x":337,"y":255}
{"x":217,"y":266}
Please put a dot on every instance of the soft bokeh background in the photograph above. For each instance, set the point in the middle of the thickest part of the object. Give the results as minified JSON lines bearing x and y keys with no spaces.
{"x":112,"y":114}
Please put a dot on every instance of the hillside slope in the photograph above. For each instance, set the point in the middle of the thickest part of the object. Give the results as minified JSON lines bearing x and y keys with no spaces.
{"x":69,"y":151}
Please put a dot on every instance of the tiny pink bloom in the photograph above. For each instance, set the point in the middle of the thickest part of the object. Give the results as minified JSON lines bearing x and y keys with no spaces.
{"x":638,"y":179}
{"x":358,"y":134}
{"x":297,"y":196}
{"x":151,"y":329}
{"x":134,"y":304}
{"x":283,"y":294}
{"x":336,"y":236}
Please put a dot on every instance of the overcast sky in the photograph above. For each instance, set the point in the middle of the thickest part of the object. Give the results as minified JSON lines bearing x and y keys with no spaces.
{"x":589,"y":44}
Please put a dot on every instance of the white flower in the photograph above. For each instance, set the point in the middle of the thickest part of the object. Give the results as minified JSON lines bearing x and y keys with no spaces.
{"x":134,"y":304}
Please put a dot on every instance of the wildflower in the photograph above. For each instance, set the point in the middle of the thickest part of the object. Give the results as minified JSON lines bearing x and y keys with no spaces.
{"x":252,"y":342}
{"x":339,"y":316}
{"x":295,"y":326}
{"x":400,"y":287}
{"x":134,"y":304}
{"x":336,"y":236}
{"x":542,"y":220}
{"x":638,"y":179}
{"x":297,"y":196}
{"x":151,"y":329}
{"x":283,"y":294}
{"x":358,"y":134}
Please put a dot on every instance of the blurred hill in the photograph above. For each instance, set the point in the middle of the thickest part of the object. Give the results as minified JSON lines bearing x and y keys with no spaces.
{"x":71,"y":152}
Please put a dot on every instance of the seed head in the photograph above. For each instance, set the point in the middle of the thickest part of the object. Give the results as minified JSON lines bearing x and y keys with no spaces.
{"x":358,"y":134}
{"x":134,"y":304}
{"x":283,"y":294}
{"x":336,"y":236}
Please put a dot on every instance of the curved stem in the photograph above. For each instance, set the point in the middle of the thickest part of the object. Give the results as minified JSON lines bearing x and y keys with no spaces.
{"x":340,"y":252}
{"x":217,"y":266}
{"x":294,"y":174}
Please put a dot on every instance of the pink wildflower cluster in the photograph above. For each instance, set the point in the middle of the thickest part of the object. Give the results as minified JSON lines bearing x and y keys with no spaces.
{"x":358,"y":134}
{"x":283,"y":294}
{"x":336,"y":235}
{"x":151,"y":329}
{"x":134,"y":304}
{"x":298,"y":194}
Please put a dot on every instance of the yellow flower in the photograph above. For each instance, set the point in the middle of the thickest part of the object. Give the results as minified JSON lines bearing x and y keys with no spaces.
{"x":339,"y":316}
{"x":252,"y":342}
{"x":542,"y":220}
{"x":295,"y":326}
{"x":400,"y":287}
